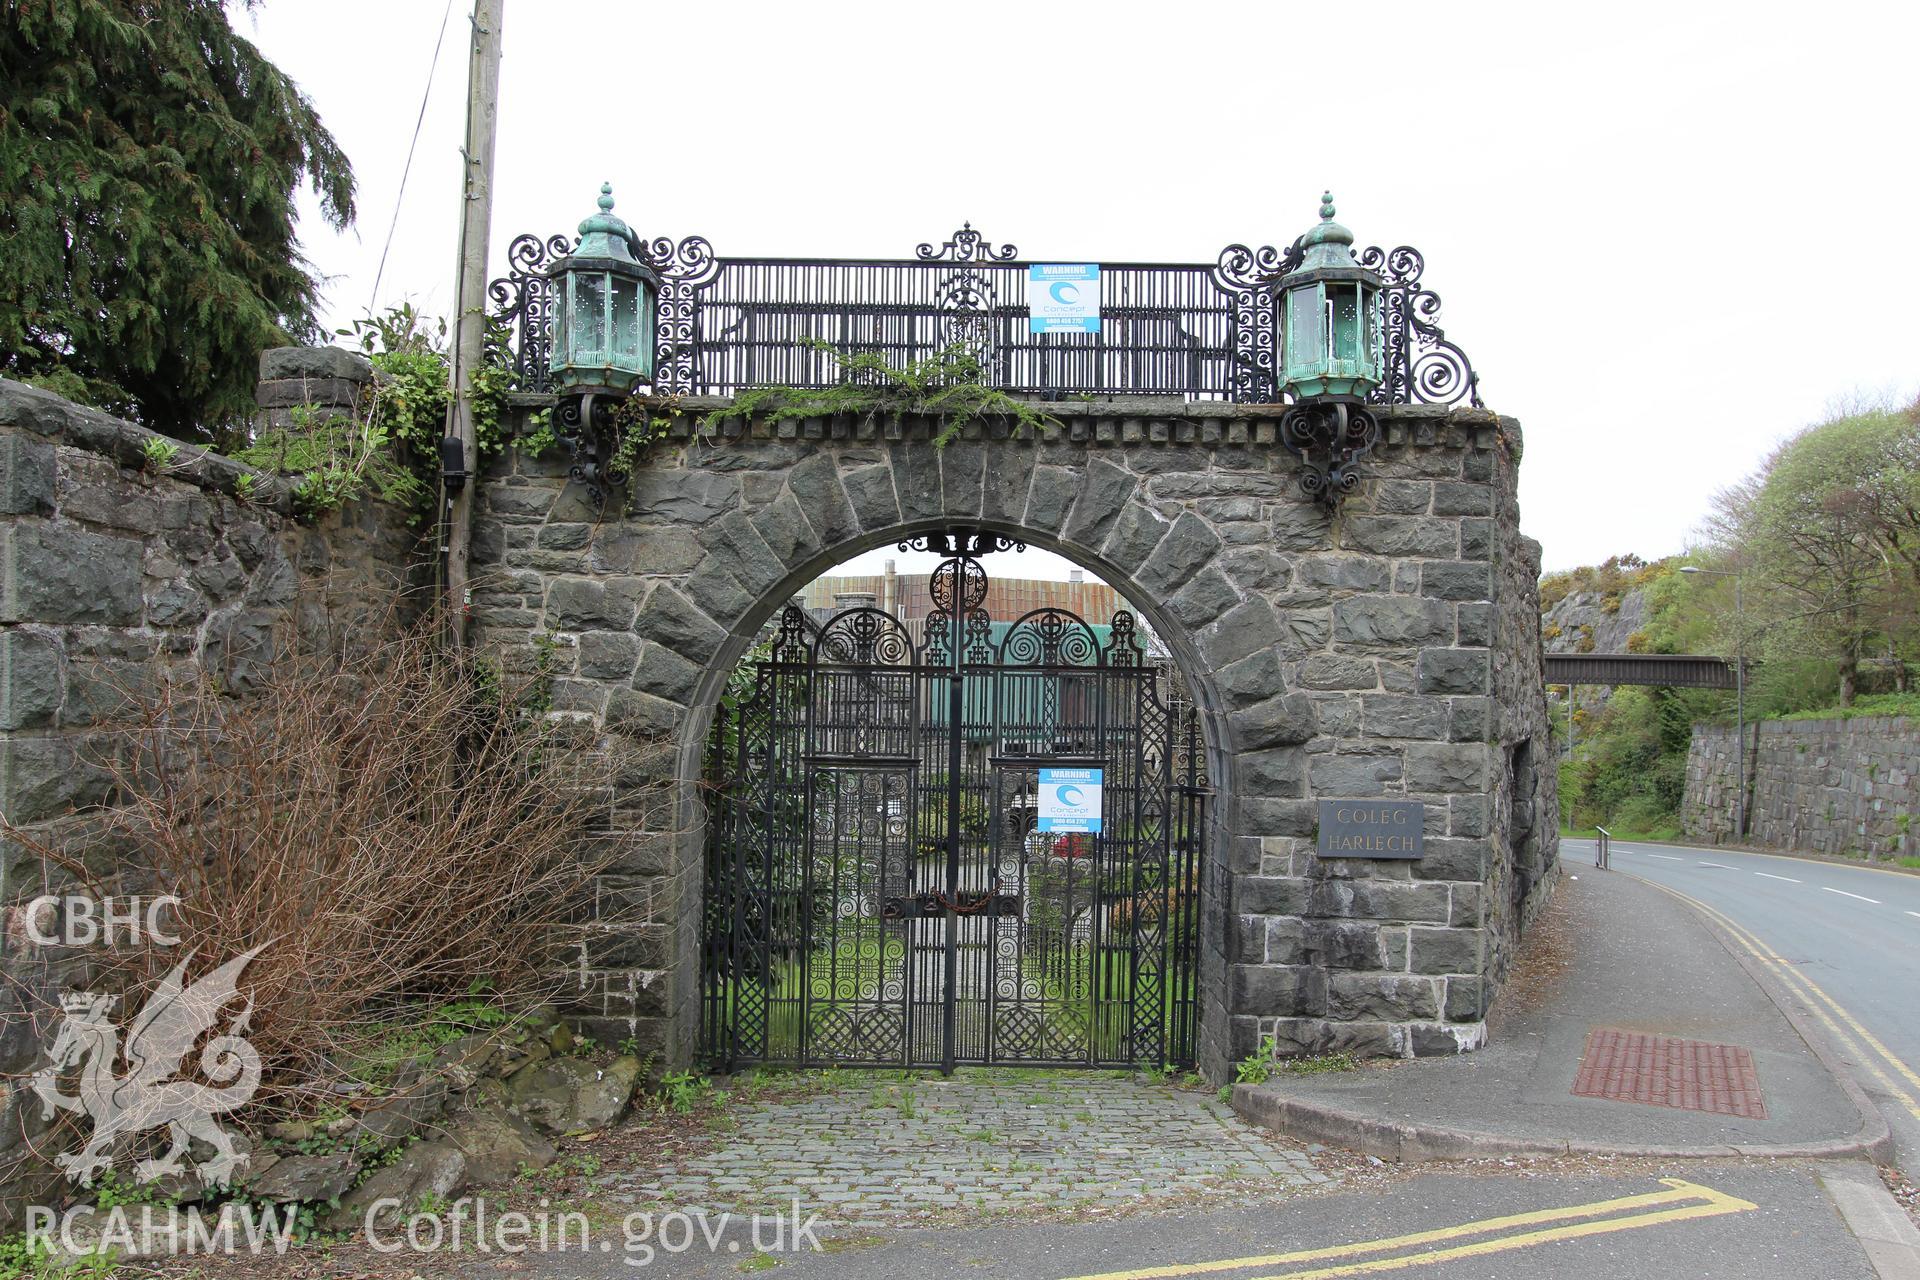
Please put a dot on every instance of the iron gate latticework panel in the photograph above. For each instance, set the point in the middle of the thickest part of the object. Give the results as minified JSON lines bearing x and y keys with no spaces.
{"x":880,"y":888}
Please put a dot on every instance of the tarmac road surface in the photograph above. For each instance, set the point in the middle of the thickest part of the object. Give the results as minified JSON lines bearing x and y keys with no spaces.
{"x":1845,"y":941}
{"x":1713,"y":1221}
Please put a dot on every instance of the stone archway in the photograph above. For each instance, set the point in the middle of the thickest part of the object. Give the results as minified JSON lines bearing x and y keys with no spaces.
{"x":1184,"y":646}
{"x":1334,"y":656}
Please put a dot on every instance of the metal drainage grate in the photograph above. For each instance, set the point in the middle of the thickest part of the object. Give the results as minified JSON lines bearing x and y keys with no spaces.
{"x":1660,"y":1071}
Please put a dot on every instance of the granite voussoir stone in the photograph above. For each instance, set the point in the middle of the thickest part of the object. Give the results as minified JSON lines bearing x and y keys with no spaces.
{"x":672,"y":620}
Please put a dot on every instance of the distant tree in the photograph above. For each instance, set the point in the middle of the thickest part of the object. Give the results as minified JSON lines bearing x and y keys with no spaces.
{"x":149,"y":158}
{"x":1886,"y":449}
{"x":1829,"y":532}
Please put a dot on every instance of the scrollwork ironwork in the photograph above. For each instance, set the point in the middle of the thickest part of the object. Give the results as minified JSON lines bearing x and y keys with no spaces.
{"x":961,"y":542}
{"x":522,"y":302}
{"x":1050,"y":638}
{"x":1421,"y":366}
{"x":1234,"y":300}
{"x":790,"y":643}
{"x":686,"y":267}
{"x":1123,"y":641}
{"x":966,"y":245}
{"x":978,"y":630}
{"x":958,"y":585}
{"x":1329,"y":437}
{"x":584,"y":424}
{"x":1249,"y":278}
{"x":965,"y":302}
{"x":864,"y":637}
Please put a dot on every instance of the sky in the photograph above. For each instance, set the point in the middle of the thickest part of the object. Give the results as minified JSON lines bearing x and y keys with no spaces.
{"x":1667,"y":235}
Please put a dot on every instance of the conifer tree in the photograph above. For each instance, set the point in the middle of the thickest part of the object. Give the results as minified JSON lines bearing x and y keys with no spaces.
{"x":149,"y":161}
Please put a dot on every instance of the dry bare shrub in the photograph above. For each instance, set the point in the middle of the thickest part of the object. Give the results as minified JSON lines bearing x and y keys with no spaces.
{"x":396,"y":823}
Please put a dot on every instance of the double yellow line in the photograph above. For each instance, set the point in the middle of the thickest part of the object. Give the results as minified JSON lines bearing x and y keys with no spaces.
{"x":1849,"y":1036}
{"x":1681,"y":1202}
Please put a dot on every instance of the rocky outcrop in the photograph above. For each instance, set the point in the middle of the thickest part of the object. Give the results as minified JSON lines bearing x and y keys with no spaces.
{"x":484,"y":1109}
{"x":1594,"y":622}
{"x":567,"y":1095}
{"x":425,"y":1171}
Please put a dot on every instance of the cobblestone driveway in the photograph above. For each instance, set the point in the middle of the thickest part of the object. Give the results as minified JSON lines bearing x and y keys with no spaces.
{"x":877,"y":1149}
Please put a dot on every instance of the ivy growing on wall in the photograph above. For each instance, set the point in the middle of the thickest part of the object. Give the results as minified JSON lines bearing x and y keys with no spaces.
{"x":392,"y":447}
{"x":948,"y":385}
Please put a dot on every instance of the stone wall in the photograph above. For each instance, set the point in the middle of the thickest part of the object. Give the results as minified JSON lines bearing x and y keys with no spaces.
{"x":1526,"y":799}
{"x":1844,"y":787}
{"x":113,"y":576}
{"x":1392,"y":650}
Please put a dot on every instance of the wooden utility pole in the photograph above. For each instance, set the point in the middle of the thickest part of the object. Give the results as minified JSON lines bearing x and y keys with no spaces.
{"x":470,"y":295}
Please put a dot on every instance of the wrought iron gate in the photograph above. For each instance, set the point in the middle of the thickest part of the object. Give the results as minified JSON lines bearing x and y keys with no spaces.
{"x":882,"y":885}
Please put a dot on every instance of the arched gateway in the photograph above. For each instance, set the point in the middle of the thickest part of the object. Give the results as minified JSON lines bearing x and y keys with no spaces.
{"x":975,"y":844}
{"x":1386,"y":651}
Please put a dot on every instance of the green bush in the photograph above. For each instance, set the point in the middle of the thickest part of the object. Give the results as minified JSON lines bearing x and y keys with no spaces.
{"x":1629,"y":768}
{"x":1867,"y":704}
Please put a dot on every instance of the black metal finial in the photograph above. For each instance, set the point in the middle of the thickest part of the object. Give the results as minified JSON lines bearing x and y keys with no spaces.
{"x":967,"y":245}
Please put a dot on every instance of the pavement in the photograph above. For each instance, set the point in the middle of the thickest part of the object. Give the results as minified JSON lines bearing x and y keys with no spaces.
{"x":1842,"y":940}
{"x":1610,"y":958}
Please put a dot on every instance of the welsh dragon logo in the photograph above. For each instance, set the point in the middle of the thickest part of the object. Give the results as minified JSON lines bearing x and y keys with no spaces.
{"x":146,"y":1097}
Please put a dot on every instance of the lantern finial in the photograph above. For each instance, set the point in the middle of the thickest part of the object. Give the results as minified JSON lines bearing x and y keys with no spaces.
{"x":1327,"y":231}
{"x":605,"y":221}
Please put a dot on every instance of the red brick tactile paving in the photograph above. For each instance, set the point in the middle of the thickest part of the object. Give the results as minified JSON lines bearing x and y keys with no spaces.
{"x":1660,"y":1071}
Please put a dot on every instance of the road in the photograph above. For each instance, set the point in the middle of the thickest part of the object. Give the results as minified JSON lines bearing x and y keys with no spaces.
{"x":1845,"y":940}
{"x":1713,"y":1221}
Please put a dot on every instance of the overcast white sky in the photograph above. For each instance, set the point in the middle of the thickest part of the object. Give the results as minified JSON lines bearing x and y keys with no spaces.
{"x":1667,"y":234}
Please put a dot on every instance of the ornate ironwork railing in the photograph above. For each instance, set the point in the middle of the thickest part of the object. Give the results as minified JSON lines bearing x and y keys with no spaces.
{"x":1195,"y":330}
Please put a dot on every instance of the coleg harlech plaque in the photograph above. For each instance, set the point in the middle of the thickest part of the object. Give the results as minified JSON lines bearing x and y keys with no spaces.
{"x":1371,"y":828}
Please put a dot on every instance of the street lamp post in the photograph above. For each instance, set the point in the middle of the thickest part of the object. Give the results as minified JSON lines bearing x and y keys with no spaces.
{"x":1739,"y":698}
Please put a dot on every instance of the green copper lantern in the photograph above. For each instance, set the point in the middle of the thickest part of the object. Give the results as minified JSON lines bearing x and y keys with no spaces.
{"x":603,"y":308}
{"x":1329,"y":318}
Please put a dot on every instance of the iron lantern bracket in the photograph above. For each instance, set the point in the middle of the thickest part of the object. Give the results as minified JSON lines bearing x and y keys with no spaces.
{"x":1329,"y":435}
{"x":584,"y":423}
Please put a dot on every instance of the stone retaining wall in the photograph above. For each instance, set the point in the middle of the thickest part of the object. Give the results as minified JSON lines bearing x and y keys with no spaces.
{"x":115,"y":575}
{"x":1844,"y":787}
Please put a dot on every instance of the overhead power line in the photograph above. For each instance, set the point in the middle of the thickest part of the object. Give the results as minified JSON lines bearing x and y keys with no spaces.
{"x":374,"y":299}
